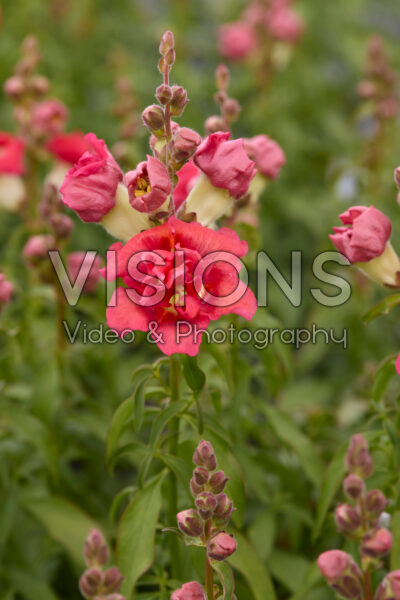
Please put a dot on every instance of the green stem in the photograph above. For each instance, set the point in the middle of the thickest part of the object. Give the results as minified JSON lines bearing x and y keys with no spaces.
{"x":367,"y":586}
{"x":209,"y":569}
{"x":32,"y":183}
{"x":174,"y":545}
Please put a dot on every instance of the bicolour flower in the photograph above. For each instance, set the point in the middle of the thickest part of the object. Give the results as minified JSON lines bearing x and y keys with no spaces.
{"x":187,"y":177}
{"x":90,"y":187}
{"x":12,"y":151}
{"x":267,"y":155}
{"x":236,"y":40}
{"x":6,"y":289}
{"x":68,"y":147}
{"x":178,"y":276}
{"x":225,"y":163}
{"x":76,"y":262}
{"x":49,"y":117}
{"x":148,"y":185}
{"x":190,"y":591}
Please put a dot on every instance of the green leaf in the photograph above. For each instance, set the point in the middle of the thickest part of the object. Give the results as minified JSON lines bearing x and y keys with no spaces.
{"x":181,"y":469}
{"x":333,"y":478}
{"x":194,"y":376}
{"x":30,"y":586}
{"x":383,"y":308}
{"x":289,"y":569}
{"x":249,"y":564}
{"x":65,"y":523}
{"x":138,"y":402}
{"x":288,"y":432}
{"x":383,"y":375}
{"x":119,"y":423}
{"x":162,"y":420}
{"x":395,"y":553}
{"x":136,"y":534}
{"x":226,"y":578}
{"x":262,"y":533}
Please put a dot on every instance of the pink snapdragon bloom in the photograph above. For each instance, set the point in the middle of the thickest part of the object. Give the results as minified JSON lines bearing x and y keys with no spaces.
{"x":68,"y":147}
{"x":187,"y":177}
{"x":341,"y":573}
{"x":91,"y":185}
{"x":6,"y":290}
{"x":148,"y":185}
{"x":364,"y":235}
{"x":170,"y":291}
{"x":76,"y":262}
{"x":49,"y":117}
{"x":236,"y":40}
{"x":225,"y":163}
{"x":190,"y":591}
{"x":267,"y":154}
{"x":11,"y":154}
{"x":284,"y":23}
{"x":390,"y":587}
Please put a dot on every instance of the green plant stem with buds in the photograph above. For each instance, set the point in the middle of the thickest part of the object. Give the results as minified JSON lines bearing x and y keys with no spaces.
{"x":173,"y":491}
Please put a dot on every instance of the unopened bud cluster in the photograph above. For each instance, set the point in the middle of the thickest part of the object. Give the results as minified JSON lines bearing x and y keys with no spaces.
{"x":359,"y":519}
{"x":229,"y":107}
{"x":97,"y":582}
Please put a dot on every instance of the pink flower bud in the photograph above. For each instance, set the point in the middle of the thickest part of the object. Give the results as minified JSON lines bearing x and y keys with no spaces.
{"x":358,"y":458}
{"x":232,"y":109}
{"x":221,"y":546}
{"x":378,"y":543}
{"x":40,"y":85}
{"x":90,"y":187}
{"x":148,"y":185}
{"x":353,"y":486}
{"x":195,"y":488}
{"x":185,"y":143}
{"x":366,"y":89}
{"x":178,"y":101}
{"x":347,"y":518}
{"x":77,"y":263}
{"x":341,"y":572}
{"x":222,"y":77}
{"x":218,"y":482}
{"x":49,"y":117}
{"x":112,"y":580}
{"x":190,"y":523}
{"x":236,"y":40}
{"x":375,"y":502}
{"x":215,"y":123}
{"x":6,"y":290}
{"x":90,"y":582}
{"x":95,"y":549}
{"x":206,"y":504}
{"x":204,"y":456}
{"x":167,"y":43}
{"x":164,"y":94}
{"x":11,"y":154}
{"x":225,"y":163}
{"x":267,"y":154}
{"x":224,"y":508}
{"x":62,"y":225}
{"x":397,"y":177}
{"x":37,"y":248}
{"x":201,"y":476}
{"x":190,"y":591}
{"x":389,"y":589}
{"x":14,"y":87}
{"x":153,"y":118}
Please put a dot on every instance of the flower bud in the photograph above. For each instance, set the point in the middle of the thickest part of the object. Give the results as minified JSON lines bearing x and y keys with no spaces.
{"x":378,"y":543}
{"x":224,"y":508}
{"x":163,"y":94}
{"x":170,"y":57}
{"x":153,"y":118}
{"x":190,"y":523}
{"x":167,"y":43}
{"x":231,"y":109}
{"x":218,"y":482}
{"x":389,"y":589}
{"x":358,"y":458}
{"x":397,"y":177}
{"x":353,"y":486}
{"x":40,"y":85}
{"x":206,"y":504}
{"x":95,"y":549}
{"x":14,"y":87}
{"x":37,"y":247}
{"x":204,"y":456}
{"x":375,"y":502}
{"x":62,"y":225}
{"x":178,"y":101}
{"x":201,"y":476}
{"x":190,"y":591}
{"x":341,"y":573}
{"x":185,"y":144}
{"x":112,"y":580}
{"x":6,"y":290}
{"x":347,"y":519}
{"x":90,"y":582}
{"x":222,"y":77}
{"x":195,"y":488}
{"x":221,"y":546}
{"x":215,"y":123}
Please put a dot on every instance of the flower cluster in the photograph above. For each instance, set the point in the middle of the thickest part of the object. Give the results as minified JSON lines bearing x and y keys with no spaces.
{"x":360,"y":519}
{"x":364,"y":240}
{"x":205,"y":525}
{"x":273,"y":20}
{"x":98,"y":583}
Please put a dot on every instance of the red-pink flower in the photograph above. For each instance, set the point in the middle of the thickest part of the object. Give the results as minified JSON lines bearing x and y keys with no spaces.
{"x":283,"y":23}
{"x":148,"y":185}
{"x":267,"y":154}
{"x":11,"y":154}
{"x":6,"y":289}
{"x":236,"y":40}
{"x":76,"y":261}
{"x":225,"y":163}
{"x":68,"y":147}
{"x":365,"y":237}
{"x":178,"y":277}
{"x":190,"y":591}
{"x":49,"y":117}
{"x":187,"y":177}
{"x":90,"y":187}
